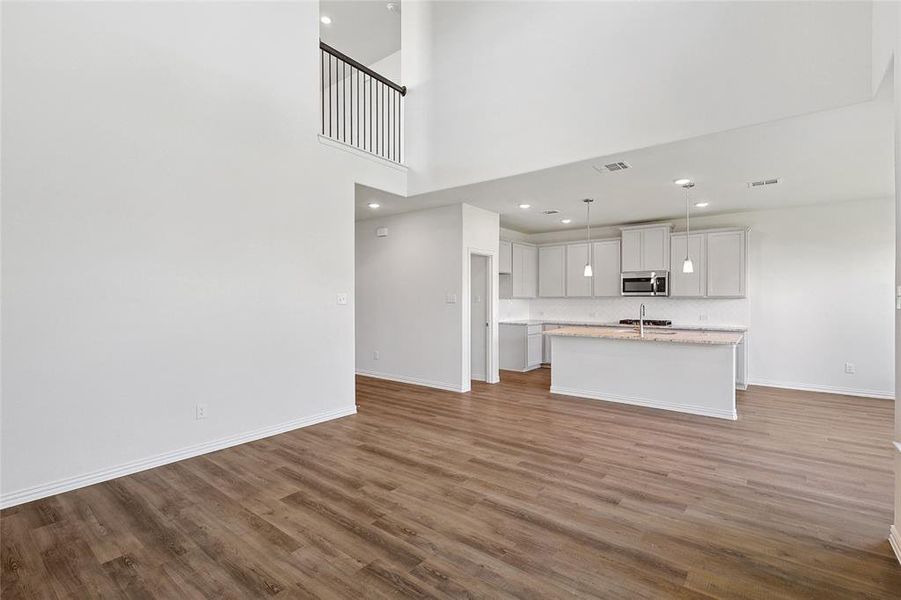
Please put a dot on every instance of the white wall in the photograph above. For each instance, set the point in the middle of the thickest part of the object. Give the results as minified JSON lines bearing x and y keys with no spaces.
{"x":173,"y":234}
{"x":481,"y":235}
{"x":403,"y":284}
{"x":502,"y":88}
{"x":819,"y":295}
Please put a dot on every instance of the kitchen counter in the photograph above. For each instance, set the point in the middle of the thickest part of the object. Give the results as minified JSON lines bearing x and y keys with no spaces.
{"x":619,"y":325}
{"x":656,"y":334}
{"x":681,"y":370}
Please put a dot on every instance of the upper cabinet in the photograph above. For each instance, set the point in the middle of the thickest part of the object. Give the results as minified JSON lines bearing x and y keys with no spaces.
{"x":727,"y":263}
{"x":505,"y":258}
{"x":605,"y":265}
{"x":688,"y":285}
{"x":524,"y":278}
{"x":720,"y":264}
{"x":577,"y":285}
{"x":552,"y":271}
{"x":646,"y":248}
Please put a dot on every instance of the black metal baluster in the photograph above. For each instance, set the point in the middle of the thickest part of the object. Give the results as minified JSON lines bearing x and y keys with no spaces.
{"x":322,"y":88}
{"x":330,"y":95}
{"x":390,"y":121}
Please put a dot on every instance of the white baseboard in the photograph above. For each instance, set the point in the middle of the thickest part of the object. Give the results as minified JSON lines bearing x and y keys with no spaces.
{"x":526,"y":370}
{"x":71,"y":483}
{"x":894,"y":538}
{"x":683,"y":408}
{"x":826,"y":389}
{"x":412,"y":380}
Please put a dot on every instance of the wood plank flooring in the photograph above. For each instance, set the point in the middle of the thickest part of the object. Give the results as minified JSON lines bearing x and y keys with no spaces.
{"x":506,"y":492}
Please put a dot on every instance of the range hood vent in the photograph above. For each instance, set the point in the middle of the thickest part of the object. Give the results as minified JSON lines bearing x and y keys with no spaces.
{"x":762,"y":182}
{"x":550,"y":211}
{"x":620,"y":165}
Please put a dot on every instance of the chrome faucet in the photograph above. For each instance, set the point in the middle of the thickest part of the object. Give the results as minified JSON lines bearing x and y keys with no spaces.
{"x":641,"y":313}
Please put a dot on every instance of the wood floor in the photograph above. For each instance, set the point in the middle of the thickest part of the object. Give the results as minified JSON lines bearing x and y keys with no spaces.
{"x":506,"y":492}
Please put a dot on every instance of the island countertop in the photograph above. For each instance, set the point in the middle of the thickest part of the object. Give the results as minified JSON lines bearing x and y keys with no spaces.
{"x":678,"y":336}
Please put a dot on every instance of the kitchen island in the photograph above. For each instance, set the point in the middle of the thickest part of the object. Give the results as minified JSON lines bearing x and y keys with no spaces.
{"x":681,"y":370}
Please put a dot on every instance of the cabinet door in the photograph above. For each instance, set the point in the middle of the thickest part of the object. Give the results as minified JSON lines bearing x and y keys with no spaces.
{"x":534,"y":353}
{"x":655,"y":249}
{"x":530,"y":264}
{"x":688,"y":285}
{"x":576,"y":282}
{"x":606,"y":267}
{"x":505,"y":257}
{"x":552,"y":271}
{"x":631,"y":251}
{"x":726,"y":264}
{"x":519,"y":284}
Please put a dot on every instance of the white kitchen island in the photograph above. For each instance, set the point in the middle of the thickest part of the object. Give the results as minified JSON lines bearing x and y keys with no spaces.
{"x":681,"y":370}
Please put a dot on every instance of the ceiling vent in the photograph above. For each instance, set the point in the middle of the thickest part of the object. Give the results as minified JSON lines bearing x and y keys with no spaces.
{"x":762,"y":183}
{"x":550,"y":211}
{"x":614,"y":166}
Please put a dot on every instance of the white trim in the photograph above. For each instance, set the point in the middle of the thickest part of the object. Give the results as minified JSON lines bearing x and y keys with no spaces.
{"x":327,"y":141}
{"x":897,"y":446}
{"x":71,"y":483}
{"x":412,"y":380}
{"x":683,"y":408}
{"x":826,"y":389}
{"x":526,"y":370}
{"x":894,"y":538}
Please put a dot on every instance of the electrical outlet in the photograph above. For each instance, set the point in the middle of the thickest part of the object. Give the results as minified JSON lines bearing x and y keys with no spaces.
{"x":702,"y":317}
{"x":342,"y":298}
{"x":850,"y":369}
{"x":200,"y":411}
{"x":375,"y":355}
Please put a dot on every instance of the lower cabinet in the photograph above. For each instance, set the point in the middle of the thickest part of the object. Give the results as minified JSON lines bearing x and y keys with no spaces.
{"x":519,"y":347}
{"x":546,"y":343}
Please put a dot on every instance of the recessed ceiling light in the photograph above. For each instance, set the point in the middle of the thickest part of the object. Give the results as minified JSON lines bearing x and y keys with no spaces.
{"x":702,"y":204}
{"x":566,"y":221}
{"x":525,"y":206}
{"x":325,"y":20}
{"x":683,"y":181}
{"x":373,"y":205}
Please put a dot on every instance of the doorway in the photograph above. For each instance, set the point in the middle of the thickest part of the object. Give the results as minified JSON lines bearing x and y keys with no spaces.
{"x":479,"y":316}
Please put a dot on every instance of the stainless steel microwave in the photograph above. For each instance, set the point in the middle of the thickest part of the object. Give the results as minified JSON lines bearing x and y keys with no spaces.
{"x":645,"y":283}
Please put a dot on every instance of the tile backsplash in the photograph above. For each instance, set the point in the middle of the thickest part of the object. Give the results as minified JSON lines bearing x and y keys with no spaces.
{"x":681,"y":311}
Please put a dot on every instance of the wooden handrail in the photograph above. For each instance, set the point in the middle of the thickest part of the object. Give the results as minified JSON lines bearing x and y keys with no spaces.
{"x":401,"y":89}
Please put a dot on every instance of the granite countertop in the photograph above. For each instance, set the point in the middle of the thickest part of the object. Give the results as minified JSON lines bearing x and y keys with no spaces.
{"x":739,"y":328}
{"x":677,"y":336}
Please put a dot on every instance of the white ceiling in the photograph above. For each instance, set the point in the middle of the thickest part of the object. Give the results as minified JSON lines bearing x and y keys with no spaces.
{"x":365,"y":30}
{"x":829,"y":156}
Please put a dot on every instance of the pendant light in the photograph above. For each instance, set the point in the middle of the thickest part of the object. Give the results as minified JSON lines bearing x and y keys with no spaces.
{"x":687,"y":265}
{"x":587,"y":272}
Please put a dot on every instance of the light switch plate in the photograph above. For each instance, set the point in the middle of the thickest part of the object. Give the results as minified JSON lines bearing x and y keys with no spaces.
{"x":450,"y":298}
{"x":342,"y":298}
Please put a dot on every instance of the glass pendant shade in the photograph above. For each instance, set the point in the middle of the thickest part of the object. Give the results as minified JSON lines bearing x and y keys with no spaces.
{"x":688,"y":266}
{"x":587,"y":272}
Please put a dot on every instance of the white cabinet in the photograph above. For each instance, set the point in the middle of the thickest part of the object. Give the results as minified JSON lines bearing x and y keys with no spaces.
{"x":552,"y":271}
{"x":726,"y":264}
{"x":535,"y":354}
{"x":525,"y":271}
{"x":646,"y":248}
{"x":631,"y":250}
{"x":519,"y":347}
{"x":605,"y":265}
{"x":689,"y":285}
{"x":577,"y":285}
{"x":505,"y":258}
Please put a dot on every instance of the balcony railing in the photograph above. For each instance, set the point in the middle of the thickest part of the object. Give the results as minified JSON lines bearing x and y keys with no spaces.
{"x":360,"y":107}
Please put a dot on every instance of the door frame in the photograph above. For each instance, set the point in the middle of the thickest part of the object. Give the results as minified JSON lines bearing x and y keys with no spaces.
{"x":491,"y":362}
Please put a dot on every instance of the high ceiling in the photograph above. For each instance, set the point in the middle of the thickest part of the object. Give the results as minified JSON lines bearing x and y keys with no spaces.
{"x":829,"y":156}
{"x":364,"y":30}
